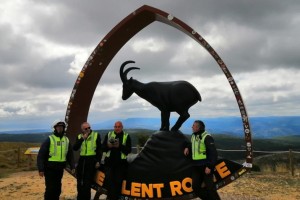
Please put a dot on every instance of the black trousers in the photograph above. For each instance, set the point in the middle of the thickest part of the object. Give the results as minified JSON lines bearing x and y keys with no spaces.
{"x":114,"y":177}
{"x":85,"y":173}
{"x":209,"y":192}
{"x":53,"y":183}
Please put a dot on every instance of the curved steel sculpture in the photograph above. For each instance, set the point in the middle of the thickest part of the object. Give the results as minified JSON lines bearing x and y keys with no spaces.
{"x":86,"y":83}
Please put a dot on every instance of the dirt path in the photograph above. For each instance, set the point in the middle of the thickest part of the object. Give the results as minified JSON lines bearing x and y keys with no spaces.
{"x":257,"y":186}
{"x":29,"y":186}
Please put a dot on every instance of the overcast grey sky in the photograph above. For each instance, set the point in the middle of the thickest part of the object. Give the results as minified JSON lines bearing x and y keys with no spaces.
{"x":44,"y":45}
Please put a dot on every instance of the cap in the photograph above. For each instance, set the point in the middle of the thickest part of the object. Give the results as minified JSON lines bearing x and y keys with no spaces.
{"x":58,"y":123}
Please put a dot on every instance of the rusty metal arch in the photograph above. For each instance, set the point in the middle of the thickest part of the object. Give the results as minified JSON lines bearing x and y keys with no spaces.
{"x":92,"y":71}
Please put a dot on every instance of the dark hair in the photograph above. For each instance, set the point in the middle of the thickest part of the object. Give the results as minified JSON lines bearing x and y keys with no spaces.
{"x":200,"y":123}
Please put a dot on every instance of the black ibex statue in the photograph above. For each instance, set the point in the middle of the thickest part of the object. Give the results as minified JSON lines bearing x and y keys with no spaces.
{"x":176,"y":96}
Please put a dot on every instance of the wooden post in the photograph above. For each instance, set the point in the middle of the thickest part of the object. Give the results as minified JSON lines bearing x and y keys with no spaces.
{"x":30,"y":161}
{"x":291,"y":162}
{"x":138,"y":149}
{"x":18,"y":157}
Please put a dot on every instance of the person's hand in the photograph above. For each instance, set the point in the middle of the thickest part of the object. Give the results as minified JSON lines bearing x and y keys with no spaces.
{"x":207,"y":170}
{"x":186,"y":151}
{"x":109,"y":145}
{"x":97,"y":165}
{"x":41,"y":174}
{"x":85,"y":135}
{"x":116,"y":144}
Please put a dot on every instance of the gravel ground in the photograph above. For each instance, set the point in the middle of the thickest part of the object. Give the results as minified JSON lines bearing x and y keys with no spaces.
{"x":252,"y":186}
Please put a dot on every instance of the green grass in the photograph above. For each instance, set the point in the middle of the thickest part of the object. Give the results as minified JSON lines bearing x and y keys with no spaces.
{"x":11,"y":162}
{"x":8,"y":160}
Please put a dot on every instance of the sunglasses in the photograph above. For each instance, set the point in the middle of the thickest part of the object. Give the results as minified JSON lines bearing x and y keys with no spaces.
{"x":87,"y":128}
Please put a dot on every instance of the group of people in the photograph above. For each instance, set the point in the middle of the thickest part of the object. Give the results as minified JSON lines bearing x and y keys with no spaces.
{"x":56,"y":151}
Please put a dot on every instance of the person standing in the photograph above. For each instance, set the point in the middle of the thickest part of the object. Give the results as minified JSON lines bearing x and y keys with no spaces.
{"x":117,"y":145}
{"x":89,"y":143}
{"x":55,"y":152}
{"x":204,"y":155}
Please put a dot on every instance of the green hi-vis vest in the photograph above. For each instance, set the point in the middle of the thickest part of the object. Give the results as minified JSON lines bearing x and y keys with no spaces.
{"x":89,"y":145}
{"x":112,"y":135}
{"x":198,"y":146}
{"x":58,"y":148}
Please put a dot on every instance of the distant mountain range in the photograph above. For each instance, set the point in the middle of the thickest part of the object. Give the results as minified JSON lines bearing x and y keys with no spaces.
{"x":262,"y":127}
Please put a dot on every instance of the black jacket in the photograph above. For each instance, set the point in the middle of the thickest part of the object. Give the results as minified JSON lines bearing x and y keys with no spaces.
{"x":43,"y":155}
{"x":115,"y":153}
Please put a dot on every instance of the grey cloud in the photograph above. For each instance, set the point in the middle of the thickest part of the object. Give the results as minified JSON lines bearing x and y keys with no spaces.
{"x":52,"y":74}
{"x":80,"y":22}
{"x":14,"y":49}
{"x":258,"y":35}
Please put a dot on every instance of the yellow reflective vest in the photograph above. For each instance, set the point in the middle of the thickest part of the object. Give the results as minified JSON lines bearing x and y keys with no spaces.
{"x":58,"y":148}
{"x":198,"y":146}
{"x":112,"y":135}
{"x":89,"y":145}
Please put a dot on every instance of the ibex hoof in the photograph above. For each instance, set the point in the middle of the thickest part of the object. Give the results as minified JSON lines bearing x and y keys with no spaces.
{"x":174,"y":129}
{"x":164,"y":129}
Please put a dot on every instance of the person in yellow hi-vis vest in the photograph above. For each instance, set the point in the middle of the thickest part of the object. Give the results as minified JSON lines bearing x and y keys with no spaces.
{"x":89,"y":143}
{"x":116,"y":145}
{"x":204,"y":155}
{"x":53,"y":155}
